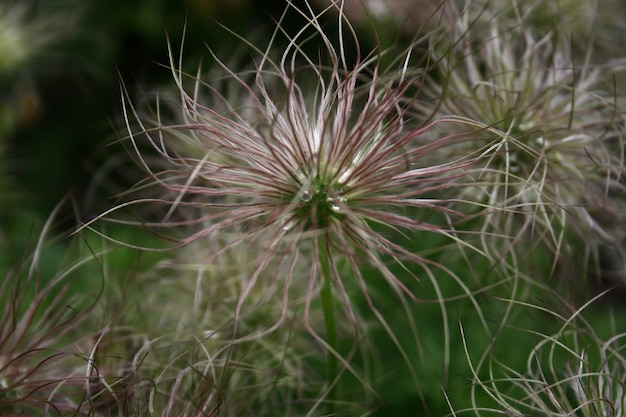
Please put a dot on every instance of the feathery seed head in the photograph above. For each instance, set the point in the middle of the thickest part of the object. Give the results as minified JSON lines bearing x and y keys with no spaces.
{"x":313,"y":165}
{"x":550,"y":124}
{"x":312,"y":149}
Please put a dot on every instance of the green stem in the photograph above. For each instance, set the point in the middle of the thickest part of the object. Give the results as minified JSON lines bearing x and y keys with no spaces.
{"x":331,"y":323}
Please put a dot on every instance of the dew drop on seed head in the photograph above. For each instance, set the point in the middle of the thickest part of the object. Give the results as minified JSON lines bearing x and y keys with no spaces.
{"x":336,"y":203}
{"x":306,"y":195}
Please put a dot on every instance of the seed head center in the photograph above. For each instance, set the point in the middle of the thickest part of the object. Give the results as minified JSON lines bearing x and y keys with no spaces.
{"x":321,"y":203}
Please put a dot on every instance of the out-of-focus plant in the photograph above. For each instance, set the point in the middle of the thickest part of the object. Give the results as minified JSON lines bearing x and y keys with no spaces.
{"x":594,"y":25}
{"x":593,"y":28}
{"x":552,"y":125}
{"x":191,"y":358}
{"x":30,"y":43}
{"x":32,"y":34}
{"x":44,"y":331}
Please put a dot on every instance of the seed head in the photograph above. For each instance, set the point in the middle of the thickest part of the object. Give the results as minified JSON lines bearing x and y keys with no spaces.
{"x":553,"y":130}
{"x":303,"y":150}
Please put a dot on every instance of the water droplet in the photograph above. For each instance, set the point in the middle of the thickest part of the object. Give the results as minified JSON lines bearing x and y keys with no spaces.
{"x":336,"y":203}
{"x":307,"y":195}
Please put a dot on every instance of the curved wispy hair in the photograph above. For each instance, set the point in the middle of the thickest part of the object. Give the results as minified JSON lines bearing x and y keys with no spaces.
{"x":44,"y":325}
{"x":27,"y":32}
{"x":577,"y":370}
{"x":553,"y":127}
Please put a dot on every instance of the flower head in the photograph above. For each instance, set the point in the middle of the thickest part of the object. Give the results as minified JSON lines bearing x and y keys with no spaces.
{"x":313,"y":162}
{"x":309,"y":151}
{"x":553,"y":130}
{"x":311,"y":171}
